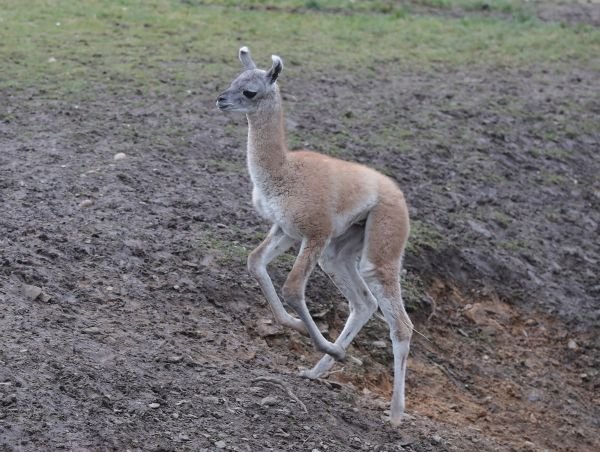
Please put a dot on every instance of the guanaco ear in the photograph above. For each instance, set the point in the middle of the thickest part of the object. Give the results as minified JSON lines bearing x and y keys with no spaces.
{"x":275,"y":69}
{"x":246,"y":59}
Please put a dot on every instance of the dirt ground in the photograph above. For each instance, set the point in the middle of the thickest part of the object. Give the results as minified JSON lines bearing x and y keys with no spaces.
{"x":128,"y":319}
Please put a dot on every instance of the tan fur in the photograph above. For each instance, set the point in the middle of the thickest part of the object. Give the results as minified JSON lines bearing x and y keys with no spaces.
{"x":340,"y":212}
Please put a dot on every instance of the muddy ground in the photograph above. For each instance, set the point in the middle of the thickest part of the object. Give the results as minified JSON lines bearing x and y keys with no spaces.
{"x":149,"y":334}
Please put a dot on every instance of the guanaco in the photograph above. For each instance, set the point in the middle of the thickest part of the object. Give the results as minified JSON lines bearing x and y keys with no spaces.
{"x":350,"y":219}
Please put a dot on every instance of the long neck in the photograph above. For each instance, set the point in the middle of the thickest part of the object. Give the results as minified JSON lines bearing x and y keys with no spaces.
{"x":267,"y":148}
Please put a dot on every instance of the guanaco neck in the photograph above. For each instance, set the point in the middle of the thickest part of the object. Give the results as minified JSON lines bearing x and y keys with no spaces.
{"x":267,"y":148}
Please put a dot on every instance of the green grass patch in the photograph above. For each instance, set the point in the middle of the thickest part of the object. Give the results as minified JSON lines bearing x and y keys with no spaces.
{"x":224,"y":251}
{"x":413,"y":291}
{"x":516,"y":245}
{"x":74,"y":48}
{"x":423,"y":236}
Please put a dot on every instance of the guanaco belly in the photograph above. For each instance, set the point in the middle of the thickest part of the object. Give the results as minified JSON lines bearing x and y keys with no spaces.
{"x":295,"y":217}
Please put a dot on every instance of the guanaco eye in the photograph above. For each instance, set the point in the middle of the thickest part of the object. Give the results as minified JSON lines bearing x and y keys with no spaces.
{"x":249,"y":94}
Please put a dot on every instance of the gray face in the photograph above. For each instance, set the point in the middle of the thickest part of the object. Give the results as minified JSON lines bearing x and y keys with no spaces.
{"x":251,"y":87}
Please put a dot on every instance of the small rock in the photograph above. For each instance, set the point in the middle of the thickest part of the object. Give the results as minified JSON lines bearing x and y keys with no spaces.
{"x":154,"y":405}
{"x":379,"y":344}
{"x":51,"y":60}
{"x":9,"y":399}
{"x":120,"y":156}
{"x":175,"y":415}
{"x":356,"y":360}
{"x":85,"y":203}
{"x":291,"y":124}
{"x":479,"y":228}
{"x":436,"y":439}
{"x":183,"y":437}
{"x":265,"y":328}
{"x":135,"y":245}
{"x":91,"y":330}
{"x":534,"y":396}
{"x":529,"y":363}
{"x":323,"y":327}
{"x":175,"y":359}
{"x":406,"y":442}
{"x":321,"y":314}
{"x":207,"y":260}
{"x":268,"y":401}
{"x":32,"y":292}
{"x":572,"y":344}
{"x":220,"y":444}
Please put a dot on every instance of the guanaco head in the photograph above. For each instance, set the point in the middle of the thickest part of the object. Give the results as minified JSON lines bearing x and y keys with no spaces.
{"x":252,"y":88}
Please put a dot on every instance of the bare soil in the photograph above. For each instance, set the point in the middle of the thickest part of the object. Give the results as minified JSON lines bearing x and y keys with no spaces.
{"x":149,"y":334}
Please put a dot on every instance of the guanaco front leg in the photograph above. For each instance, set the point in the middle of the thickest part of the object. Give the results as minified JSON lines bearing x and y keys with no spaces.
{"x":293,"y":293}
{"x":275,"y":244}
